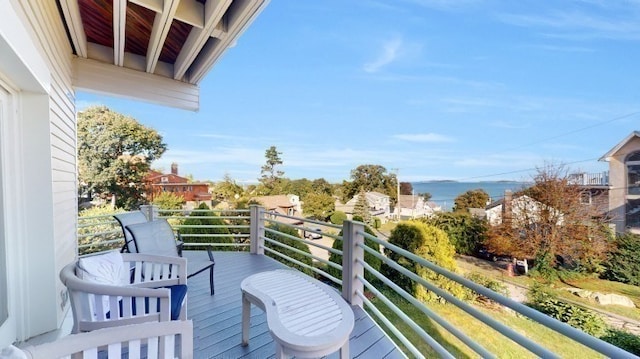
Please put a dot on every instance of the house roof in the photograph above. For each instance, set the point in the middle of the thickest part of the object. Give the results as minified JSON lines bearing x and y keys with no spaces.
{"x":408,"y":201}
{"x":273,"y":202}
{"x":119,"y":42}
{"x":619,"y":146}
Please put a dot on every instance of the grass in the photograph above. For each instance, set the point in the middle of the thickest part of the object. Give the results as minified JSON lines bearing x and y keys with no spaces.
{"x":490,"y":339}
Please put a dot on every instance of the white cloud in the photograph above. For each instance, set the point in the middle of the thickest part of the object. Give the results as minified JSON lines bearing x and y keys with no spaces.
{"x":423,"y":137}
{"x":388,"y":54}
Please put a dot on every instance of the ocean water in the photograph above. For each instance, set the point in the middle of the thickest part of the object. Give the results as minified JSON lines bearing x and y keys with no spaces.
{"x":444,"y":192}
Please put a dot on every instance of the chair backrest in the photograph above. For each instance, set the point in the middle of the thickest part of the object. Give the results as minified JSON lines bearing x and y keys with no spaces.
{"x":155,"y":237}
{"x":126,"y":219}
{"x":154,"y":340}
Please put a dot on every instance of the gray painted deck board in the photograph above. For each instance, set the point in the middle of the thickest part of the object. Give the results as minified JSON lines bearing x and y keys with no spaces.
{"x":217,"y":318}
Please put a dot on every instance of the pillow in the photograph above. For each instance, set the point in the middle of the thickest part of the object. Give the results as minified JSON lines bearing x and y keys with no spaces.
{"x":12,"y":352}
{"x":107,"y":268}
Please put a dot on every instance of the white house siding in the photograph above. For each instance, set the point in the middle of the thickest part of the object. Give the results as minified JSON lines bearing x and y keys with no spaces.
{"x":618,"y":183}
{"x":44,"y":238}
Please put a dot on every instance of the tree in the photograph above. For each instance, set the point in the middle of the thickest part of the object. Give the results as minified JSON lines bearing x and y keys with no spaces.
{"x":206,"y":229}
{"x":465,"y":232}
{"x":426,"y":196}
{"x":338,"y":217}
{"x":168,"y":200}
{"x":318,"y":205}
{"x":475,"y":198}
{"x":269,"y":174}
{"x":369,"y":178}
{"x":227,"y":189}
{"x":548,"y":222}
{"x":406,"y":188}
{"x":623,"y":263}
{"x":321,"y":185}
{"x":361,"y":208}
{"x":430,"y":243}
{"x":114,"y":154}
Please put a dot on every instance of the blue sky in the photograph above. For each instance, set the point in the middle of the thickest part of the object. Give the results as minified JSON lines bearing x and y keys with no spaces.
{"x":466,"y":90}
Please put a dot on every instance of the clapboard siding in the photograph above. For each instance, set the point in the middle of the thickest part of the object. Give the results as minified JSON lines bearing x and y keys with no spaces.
{"x":217,"y":318}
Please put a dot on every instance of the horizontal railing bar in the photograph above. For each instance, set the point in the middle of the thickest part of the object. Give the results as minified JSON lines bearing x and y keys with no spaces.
{"x":99,"y":234}
{"x":193,"y":244}
{"x":270,"y":240}
{"x":304,"y":265}
{"x":415,"y":351}
{"x":484,"y":353}
{"x":303,"y":219}
{"x":103,"y":243}
{"x":303,"y":240}
{"x":562,"y":328}
{"x":244,"y":226}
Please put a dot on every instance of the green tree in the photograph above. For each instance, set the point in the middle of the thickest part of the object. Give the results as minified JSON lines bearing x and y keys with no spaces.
{"x":318,"y":205}
{"x":475,"y":198}
{"x":338,"y":217}
{"x":206,"y":229}
{"x":406,"y":188}
{"x":623,"y":264}
{"x":114,"y":154}
{"x":297,"y":244}
{"x":321,"y":185}
{"x":430,"y":243}
{"x":300,"y":187}
{"x":370,"y":178}
{"x":361,"y":208}
{"x":426,"y":196}
{"x":227,"y":189}
{"x":270,"y":175}
{"x":465,"y":232}
{"x":369,"y":258}
{"x":168,"y":200}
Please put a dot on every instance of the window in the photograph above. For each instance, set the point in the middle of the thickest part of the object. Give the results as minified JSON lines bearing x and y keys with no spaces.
{"x":585,"y":197}
{"x":633,"y":173}
{"x":164,"y":179}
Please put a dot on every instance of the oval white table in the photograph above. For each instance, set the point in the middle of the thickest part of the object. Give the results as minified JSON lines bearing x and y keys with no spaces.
{"x":307,"y":318}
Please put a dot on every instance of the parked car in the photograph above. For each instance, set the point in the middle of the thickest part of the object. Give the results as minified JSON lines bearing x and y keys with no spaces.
{"x":485,"y":254}
{"x":313,"y":233}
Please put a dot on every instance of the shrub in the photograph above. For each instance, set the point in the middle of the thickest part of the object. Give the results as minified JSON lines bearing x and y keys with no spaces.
{"x":623,"y":263}
{"x":623,"y":339}
{"x":338,"y":217}
{"x":201,"y":233}
{"x":369,"y":258}
{"x":168,"y":200}
{"x":577,"y":317}
{"x":95,"y":231}
{"x":428,"y":242}
{"x":297,"y":244}
{"x":465,"y":232}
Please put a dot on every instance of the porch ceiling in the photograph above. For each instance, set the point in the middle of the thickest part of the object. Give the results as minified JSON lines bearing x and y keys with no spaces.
{"x":179,"y":40}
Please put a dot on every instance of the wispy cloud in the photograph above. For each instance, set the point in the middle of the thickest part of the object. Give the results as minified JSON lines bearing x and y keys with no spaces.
{"x":423,"y":137}
{"x":387,"y":55}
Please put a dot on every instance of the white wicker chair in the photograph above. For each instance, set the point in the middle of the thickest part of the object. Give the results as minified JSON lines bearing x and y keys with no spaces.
{"x":145,"y":296}
{"x":147,"y":340}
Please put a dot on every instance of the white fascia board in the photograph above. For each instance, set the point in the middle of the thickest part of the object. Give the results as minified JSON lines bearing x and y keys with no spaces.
{"x":71,"y":12}
{"x":20,"y":57}
{"x":98,"y":77}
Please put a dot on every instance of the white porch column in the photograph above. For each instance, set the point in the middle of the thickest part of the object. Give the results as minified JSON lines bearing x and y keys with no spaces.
{"x":150,"y":211}
{"x":351,"y":253}
{"x":257,"y":229}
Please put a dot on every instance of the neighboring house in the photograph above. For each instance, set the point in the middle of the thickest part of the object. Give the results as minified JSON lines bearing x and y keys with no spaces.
{"x":594,"y":190}
{"x":191,"y":192}
{"x":624,"y":183}
{"x":287,"y":204}
{"x":48,"y":51}
{"x":413,"y":206}
{"x":521,"y":208}
{"x":379,"y":205}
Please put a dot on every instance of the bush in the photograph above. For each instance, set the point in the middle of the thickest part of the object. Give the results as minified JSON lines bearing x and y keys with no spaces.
{"x":465,"y":232}
{"x":577,"y":317}
{"x":200,"y":234}
{"x":338,"y":217}
{"x":623,"y":339}
{"x":95,"y":231}
{"x":623,"y":263}
{"x":299,"y":245}
{"x":369,"y":258}
{"x":428,"y":242}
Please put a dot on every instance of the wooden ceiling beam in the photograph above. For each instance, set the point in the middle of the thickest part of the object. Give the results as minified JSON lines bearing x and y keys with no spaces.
{"x":189,"y":11}
{"x":213,"y":25}
{"x":119,"y":25}
{"x":159,"y":32}
{"x":239,"y":16}
{"x":71,"y":13}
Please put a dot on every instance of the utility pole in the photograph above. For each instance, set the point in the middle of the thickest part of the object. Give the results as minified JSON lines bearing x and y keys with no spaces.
{"x":397,"y":171}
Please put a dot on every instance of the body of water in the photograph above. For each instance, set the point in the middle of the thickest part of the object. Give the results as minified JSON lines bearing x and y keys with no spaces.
{"x":444,"y":193}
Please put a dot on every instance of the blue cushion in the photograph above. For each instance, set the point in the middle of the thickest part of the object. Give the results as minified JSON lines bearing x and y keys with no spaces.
{"x":178,"y":292}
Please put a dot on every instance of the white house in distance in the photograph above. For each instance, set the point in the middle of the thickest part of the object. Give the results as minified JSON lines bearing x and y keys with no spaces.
{"x":49,"y":50}
{"x":287,"y":204}
{"x":379,"y":205}
{"x":522,"y":207}
{"x":413,"y":206}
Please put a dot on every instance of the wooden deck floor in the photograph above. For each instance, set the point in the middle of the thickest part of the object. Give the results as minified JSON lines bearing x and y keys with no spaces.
{"x":217,"y":318}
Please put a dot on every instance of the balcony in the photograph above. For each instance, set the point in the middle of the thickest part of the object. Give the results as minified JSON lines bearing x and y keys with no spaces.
{"x":387,"y":318}
{"x":590,"y":179}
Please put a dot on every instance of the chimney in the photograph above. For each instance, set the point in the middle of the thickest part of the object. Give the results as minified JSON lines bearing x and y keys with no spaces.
{"x":506,"y":206}
{"x":174,"y":168}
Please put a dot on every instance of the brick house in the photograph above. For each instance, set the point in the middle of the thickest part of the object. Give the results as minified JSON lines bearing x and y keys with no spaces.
{"x":171,"y":182}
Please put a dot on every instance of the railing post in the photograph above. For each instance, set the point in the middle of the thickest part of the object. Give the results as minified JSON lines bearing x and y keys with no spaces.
{"x":351,"y":253}
{"x":257,"y":229}
{"x":150,"y":211}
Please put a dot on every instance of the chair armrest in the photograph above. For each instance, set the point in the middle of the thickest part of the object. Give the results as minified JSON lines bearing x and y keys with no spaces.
{"x":148,"y":270}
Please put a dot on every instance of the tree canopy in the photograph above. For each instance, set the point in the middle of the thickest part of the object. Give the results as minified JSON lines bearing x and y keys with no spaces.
{"x":270,"y":175}
{"x":406,"y":188}
{"x":475,"y":198}
{"x":369,"y":178}
{"x":114,"y":154}
{"x":318,"y":205}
